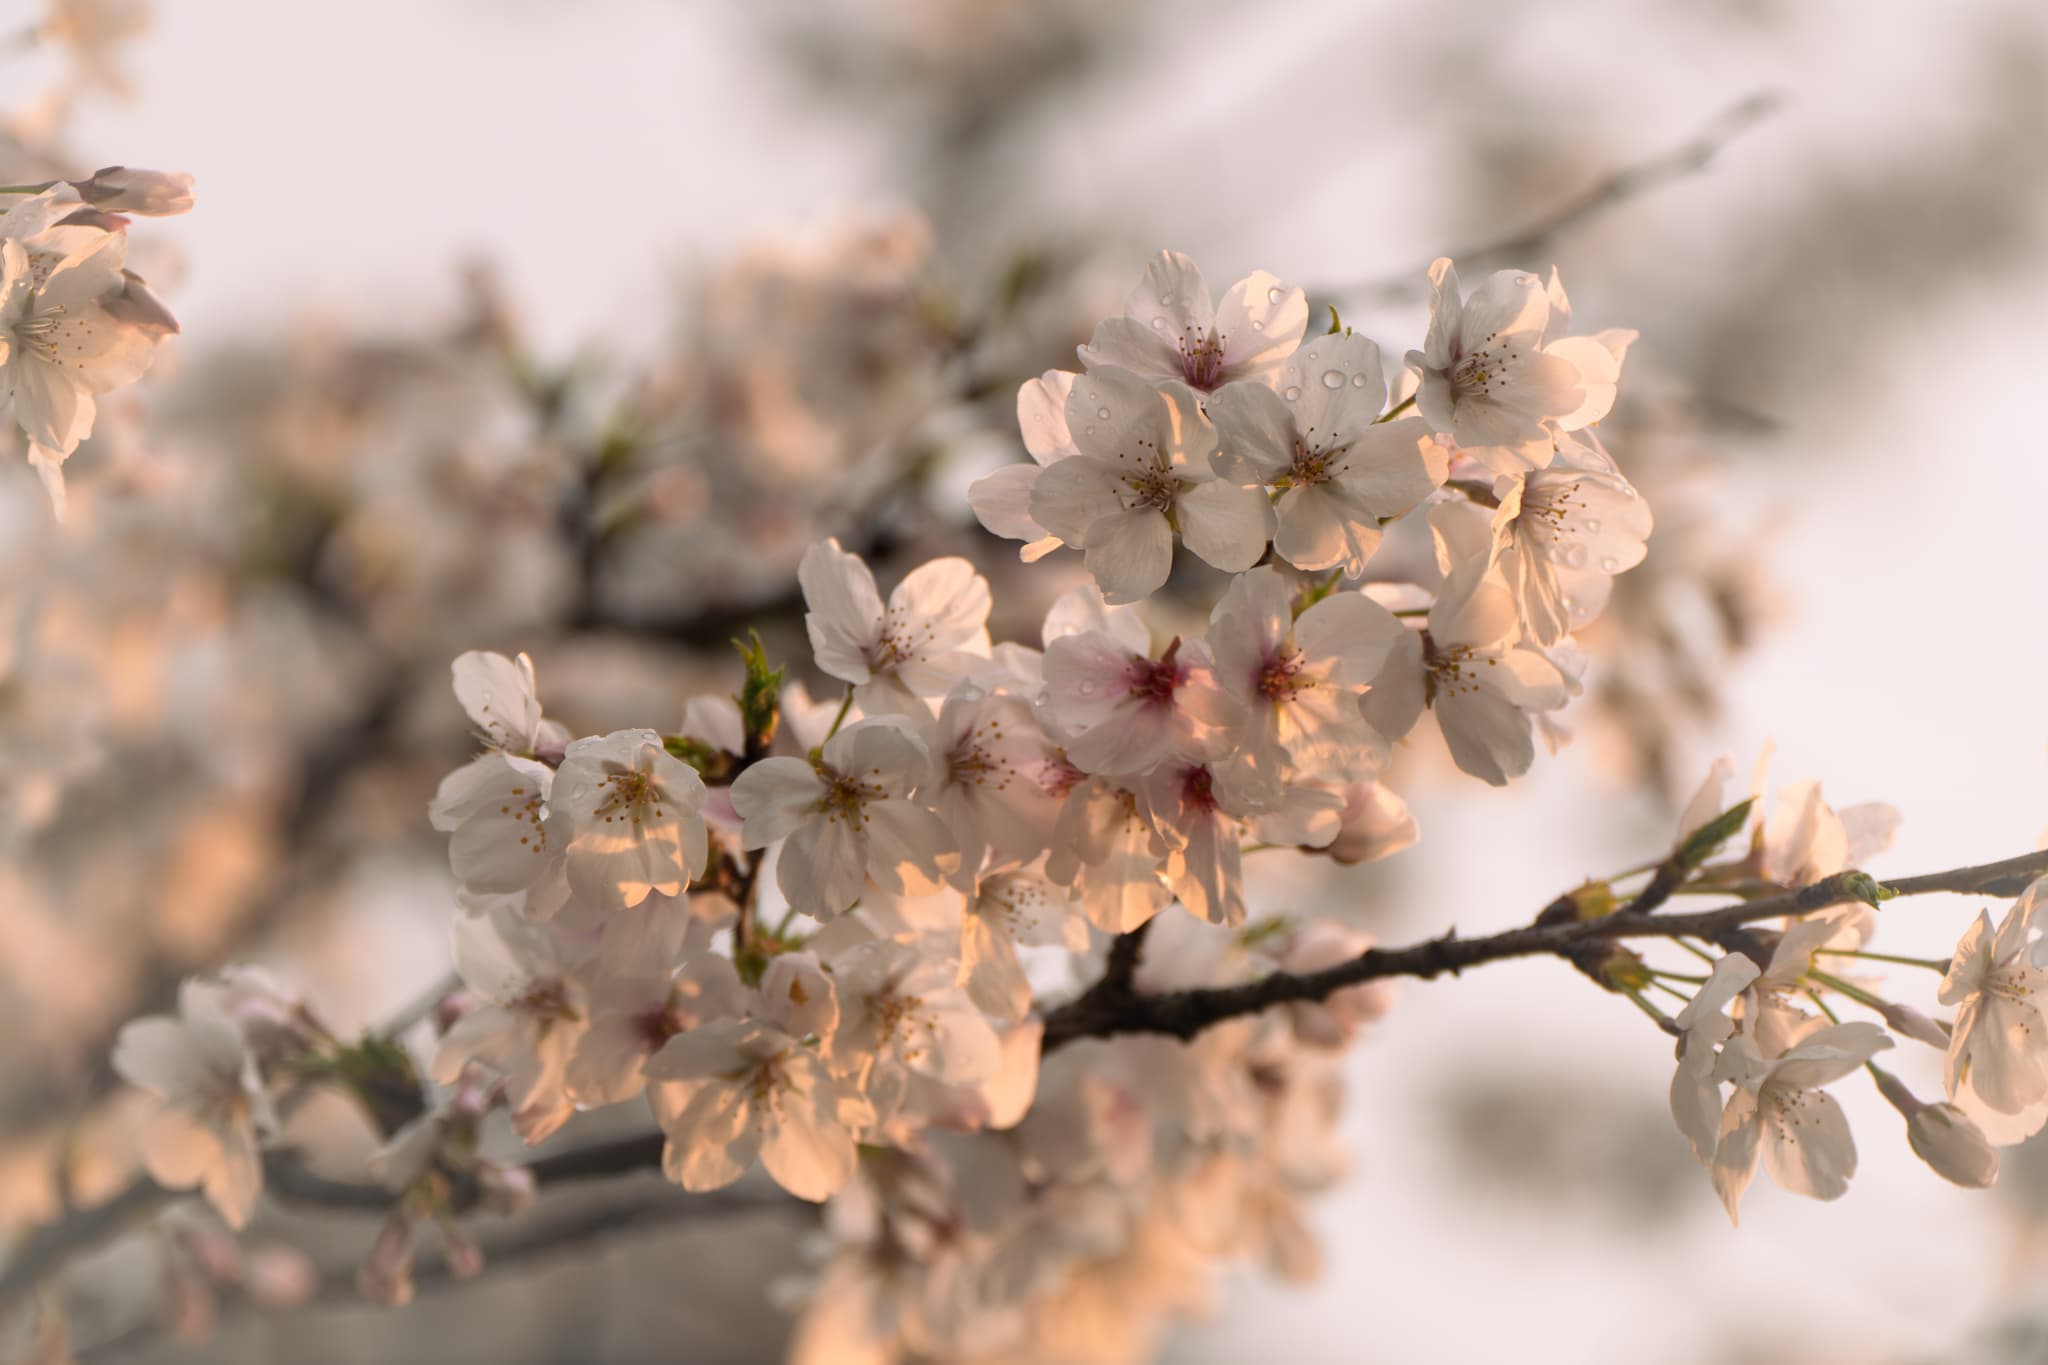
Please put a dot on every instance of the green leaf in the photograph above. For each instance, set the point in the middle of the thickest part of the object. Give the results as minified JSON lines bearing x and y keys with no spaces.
{"x":1702,"y":843}
{"x":1866,"y":888}
{"x":760,"y":694}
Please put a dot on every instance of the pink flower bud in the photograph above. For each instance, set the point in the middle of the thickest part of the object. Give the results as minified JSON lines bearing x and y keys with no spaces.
{"x":507,"y":1191}
{"x":386,"y":1274}
{"x":465,"y":1257}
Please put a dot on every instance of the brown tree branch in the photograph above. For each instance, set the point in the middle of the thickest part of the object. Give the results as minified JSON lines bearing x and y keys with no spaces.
{"x":1183,"y":1014}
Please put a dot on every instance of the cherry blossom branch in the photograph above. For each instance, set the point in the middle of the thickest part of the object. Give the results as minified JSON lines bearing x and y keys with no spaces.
{"x":1183,"y":1014}
{"x":1534,"y":240}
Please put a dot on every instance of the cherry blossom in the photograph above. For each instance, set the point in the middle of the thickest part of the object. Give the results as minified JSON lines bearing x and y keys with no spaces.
{"x":932,"y":633}
{"x":1171,"y":332}
{"x":1778,"y":1109}
{"x":531,"y":1015}
{"x":1338,"y":470}
{"x":628,"y":819}
{"x":1487,"y":380}
{"x":1297,"y":679}
{"x":214,"y":1111}
{"x":1142,"y":470}
{"x":847,"y":818}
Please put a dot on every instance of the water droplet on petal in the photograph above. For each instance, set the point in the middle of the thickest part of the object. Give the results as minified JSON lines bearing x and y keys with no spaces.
{"x":1575,"y":556}
{"x":1357,"y":381}
{"x":1088,"y":431}
{"x":1609,"y":564}
{"x":1258,"y":326}
{"x":1272,"y":296}
{"x":1159,"y":324}
{"x":1333,"y":379}
{"x":1103,"y":413}
{"x":1086,"y":689}
{"x":1166,"y":300}
{"x":1592,"y":525}
{"x":1292,"y":393}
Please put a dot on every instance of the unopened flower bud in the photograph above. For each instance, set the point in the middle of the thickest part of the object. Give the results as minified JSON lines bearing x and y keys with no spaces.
{"x":1942,"y":1135}
{"x":279,"y":1277}
{"x":1913,"y":1024}
{"x":507,"y":1191}
{"x":1375,"y":825}
{"x":1946,"y":1139}
{"x":124,"y":189}
{"x":465,"y":1256}
{"x":386,"y":1273}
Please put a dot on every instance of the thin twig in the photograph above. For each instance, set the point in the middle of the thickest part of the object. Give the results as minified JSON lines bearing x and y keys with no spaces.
{"x":1183,"y":1014}
{"x":1533,"y":241}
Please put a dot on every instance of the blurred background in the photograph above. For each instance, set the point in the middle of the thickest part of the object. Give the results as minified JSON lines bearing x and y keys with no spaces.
{"x":565,"y":328}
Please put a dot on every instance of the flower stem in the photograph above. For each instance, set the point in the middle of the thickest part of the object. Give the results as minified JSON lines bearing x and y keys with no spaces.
{"x":1932,"y":964}
{"x":1395,"y":411}
{"x":845,"y":705}
{"x":1841,"y":987}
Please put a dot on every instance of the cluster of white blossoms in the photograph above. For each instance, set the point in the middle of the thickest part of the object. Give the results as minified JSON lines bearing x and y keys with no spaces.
{"x":876,"y":945}
{"x":75,"y":322}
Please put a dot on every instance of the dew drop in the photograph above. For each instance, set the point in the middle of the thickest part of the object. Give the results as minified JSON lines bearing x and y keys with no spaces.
{"x":1333,"y":379}
{"x":1575,"y":556}
{"x":1609,"y":564}
{"x":1272,"y":296}
{"x":1103,"y":413}
{"x":1159,"y":324}
{"x":1357,"y":381}
{"x":1086,"y":689}
{"x":1258,"y":326}
{"x":1592,"y":525}
{"x":1088,"y":431}
{"x":1291,"y":394}
{"x":1166,"y":300}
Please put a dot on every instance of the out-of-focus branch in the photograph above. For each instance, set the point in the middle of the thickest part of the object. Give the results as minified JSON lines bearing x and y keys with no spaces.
{"x":544,"y":1241}
{"x":49,"y":1249}
{"x":1533,"y":241}
{"x":1183,"y":1014}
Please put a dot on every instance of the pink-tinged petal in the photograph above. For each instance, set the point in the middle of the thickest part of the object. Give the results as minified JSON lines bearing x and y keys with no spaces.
{"x":1174,"y":296}
{"x":1130,"y":553}
{"x":1071,"y":496}
{"x":823,"y":866}
{"x":1042,"y":416}
{"x":1446,"y":316}
{"x":1002,"y":503}
{"x":1735,"y":1154}
{"x":1226,"y":525}
{"x":498,"y":693}
{"x":1319,"y":526}
{"x":1335,"y":387}
{"x":807,"y":1154}
{"x":774,"y":797}
{"x":1351,"y":630}
{"x":713,"y":1141}
{"x":1399,"y":690}
{"x":1393,"y":466}
{"x":1121,"y":344}
{"x":1259,"y":322}
{"x":1510,"y":303}
{"x":1255,"y":433}
{"x":1808,"y":1148}
{"x":1488,"y":736}
{"x":844,"y":616}
{"x":1140,"y":430}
